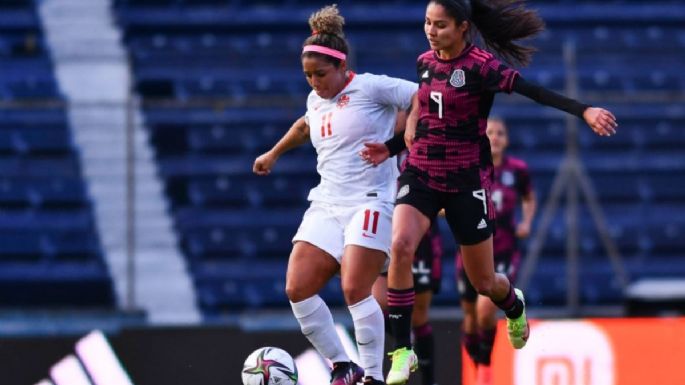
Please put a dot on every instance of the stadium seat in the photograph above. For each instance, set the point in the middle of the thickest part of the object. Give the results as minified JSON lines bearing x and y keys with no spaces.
{"x":50,"y":251}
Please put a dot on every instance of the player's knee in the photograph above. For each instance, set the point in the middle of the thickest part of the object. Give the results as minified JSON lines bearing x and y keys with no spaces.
{"x":484,"y":287}
{"x":296,"y":293}
{"x":402,"y":250}
{"x":354,"y":294}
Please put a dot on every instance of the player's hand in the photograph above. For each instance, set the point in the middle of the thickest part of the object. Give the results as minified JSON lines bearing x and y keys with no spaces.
{"x":263,"y":164}
{"x":375,"y":153}
{"x":523,"y":230}
{"x":602,"y":121}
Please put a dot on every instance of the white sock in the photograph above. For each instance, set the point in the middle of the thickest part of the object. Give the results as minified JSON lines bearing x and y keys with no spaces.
{"x":369,"y":331}
{"x":316,"y":322}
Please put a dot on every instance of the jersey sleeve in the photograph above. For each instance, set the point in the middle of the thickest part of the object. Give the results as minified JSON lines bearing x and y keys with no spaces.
{"x":310,"y":101}
{"x":498,"y":77}
{"x":391,"y":91}
{"x":524,"y":184}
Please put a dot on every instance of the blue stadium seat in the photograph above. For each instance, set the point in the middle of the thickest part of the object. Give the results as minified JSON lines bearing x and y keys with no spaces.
{"x":50,"y":251}
{"x":43,"y":192}
{"x":35,"y":141}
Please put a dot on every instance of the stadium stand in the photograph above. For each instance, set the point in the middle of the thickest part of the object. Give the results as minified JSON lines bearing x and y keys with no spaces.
{"x":217,"y":94}
{"x":50,"y":254}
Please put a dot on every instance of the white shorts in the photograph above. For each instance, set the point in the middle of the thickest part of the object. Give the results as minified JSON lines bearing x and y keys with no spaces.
{"x":332,"y":227}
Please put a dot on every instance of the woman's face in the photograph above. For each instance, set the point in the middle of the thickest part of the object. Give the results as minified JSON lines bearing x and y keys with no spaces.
{"x":326,"y":80}
{"x":497,"y":133}
{"x":442,"y":30}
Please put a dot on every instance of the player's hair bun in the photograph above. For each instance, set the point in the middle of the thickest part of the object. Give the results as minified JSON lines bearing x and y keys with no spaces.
{"x":327,"y":20}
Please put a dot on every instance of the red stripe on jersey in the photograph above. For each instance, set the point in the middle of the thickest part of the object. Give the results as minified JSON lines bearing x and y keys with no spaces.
{"x":480,"y":55}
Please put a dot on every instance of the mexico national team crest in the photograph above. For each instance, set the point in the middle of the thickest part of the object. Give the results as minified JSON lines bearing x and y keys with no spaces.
{"x":507,"y":178}
{"x":458,"y":78}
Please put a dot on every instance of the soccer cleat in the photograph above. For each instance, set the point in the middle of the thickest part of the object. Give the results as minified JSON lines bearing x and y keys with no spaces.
{"x":346,"y":373}
{"x":404,"y":361}
{"x":518,"y":328}
{"x":484,"y":375}
{"x":372,"y":381}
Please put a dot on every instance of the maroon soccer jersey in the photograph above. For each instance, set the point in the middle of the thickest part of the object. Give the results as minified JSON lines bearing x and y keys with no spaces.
{"x":451,"y":152}
{"x":511,"y":183}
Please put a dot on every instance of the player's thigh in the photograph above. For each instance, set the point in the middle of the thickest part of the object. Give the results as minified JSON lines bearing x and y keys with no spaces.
{"x":321,"y":227}
{"x":317,"y":249}
{"x":309,"y":269}
{"x":367,"y":248}
{"x":408,"y":227}
{"x":416,"y":206}
{"x":469,"y":216}
{"x":360,"y":268}
{"x":368,"y":225}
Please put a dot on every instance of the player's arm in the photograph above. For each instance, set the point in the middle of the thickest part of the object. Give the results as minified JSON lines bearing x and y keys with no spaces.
{"x":401,"y":121}
{"x":529,"y":206}
{"x":602,"y":121}
{"x":377,"y":153}
{"x":404,"y":139}
{"x":297,"y":135}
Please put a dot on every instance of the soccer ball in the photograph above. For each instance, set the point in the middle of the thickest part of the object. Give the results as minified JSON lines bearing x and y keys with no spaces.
{"x":269,"y":366}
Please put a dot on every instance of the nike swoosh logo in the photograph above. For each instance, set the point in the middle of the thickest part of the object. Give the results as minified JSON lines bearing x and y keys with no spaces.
{"x":364,"y":344}
{"x":367,"y":236}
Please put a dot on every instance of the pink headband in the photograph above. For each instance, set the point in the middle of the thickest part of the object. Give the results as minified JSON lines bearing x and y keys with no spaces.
{"x":324,"y":50}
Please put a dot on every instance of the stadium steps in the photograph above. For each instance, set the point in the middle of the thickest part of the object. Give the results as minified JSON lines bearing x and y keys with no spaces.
{"x":96,"y":83}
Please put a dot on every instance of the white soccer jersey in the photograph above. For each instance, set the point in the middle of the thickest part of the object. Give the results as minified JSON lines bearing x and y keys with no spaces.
{"x":364,"y":111}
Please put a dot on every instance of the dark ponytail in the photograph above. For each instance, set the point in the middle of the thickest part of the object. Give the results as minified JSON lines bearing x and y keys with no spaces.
{"x":500,"y":23}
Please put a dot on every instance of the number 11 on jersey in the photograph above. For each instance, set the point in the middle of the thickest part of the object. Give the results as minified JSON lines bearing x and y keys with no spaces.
{"x":326,"y":125}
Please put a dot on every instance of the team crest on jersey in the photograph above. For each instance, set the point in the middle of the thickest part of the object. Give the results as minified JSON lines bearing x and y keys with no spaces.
{"x":507,"y":178}
{"x":343,"y":101}
{"x":458,"y":78}
{"x":403,"y":191}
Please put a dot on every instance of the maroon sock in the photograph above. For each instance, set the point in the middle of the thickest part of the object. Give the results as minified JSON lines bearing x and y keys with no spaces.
{"x":512,"y":306}
{"x":472,"y":345}
{"x":487,"y":341}
{"x":424,"y":346}
{"x":400,"y":307}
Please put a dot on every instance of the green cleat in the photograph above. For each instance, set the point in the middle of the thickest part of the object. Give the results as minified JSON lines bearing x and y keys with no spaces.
{"x":404,"y":361}
{"x":518,"y":328}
